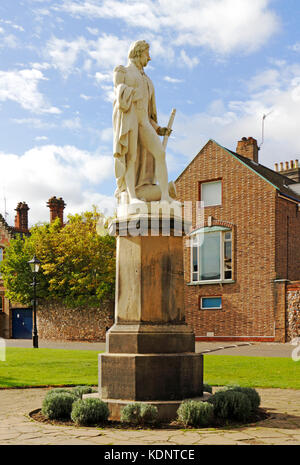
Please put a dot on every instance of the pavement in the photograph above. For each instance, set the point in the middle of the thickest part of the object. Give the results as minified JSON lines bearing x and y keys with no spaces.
{"x":17,"y":428}
{"x":253,"y":349}
{"x":282,"y":427}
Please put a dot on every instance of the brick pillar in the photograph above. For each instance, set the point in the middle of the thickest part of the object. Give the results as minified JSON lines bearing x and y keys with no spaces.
{"x":248,"y":148}
{"x":57,"y":207}
{"x":280,"y":310}
{"x":21,"y":218}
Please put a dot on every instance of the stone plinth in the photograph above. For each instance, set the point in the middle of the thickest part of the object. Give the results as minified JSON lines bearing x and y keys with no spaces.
{"x":150,"y":353}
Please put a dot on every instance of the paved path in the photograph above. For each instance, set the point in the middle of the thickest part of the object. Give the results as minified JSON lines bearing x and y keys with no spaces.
{"x":17,"y":428}
{"x":253,"y":349}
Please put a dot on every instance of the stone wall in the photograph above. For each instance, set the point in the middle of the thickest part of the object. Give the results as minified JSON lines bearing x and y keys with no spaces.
{"x":293,"y":310}
{"x":56,"y":322}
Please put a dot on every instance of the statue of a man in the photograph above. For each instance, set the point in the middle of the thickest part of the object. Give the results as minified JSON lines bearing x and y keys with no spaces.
{"x":140,"y":158}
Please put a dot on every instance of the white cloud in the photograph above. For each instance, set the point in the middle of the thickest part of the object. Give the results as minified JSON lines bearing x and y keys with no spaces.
{"x":48,"y":170}
{"x":64,"y":53}
{"x":100,"y":77}
{"x":172,"y":80}
{"x":22,"y":87}
{"x":86,"y":97}
{"x":272,"y":93}
{"x":93,"y":30}
{"x":41,"y":138}
{"x":73,"y":123}
{"x":104,"y":53}
{"x":8,"y":41}
{"x":186,"y":60}
{"x":224,"y":26}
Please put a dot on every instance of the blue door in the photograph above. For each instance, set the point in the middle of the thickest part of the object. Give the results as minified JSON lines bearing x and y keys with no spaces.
{"x":22,"y":323}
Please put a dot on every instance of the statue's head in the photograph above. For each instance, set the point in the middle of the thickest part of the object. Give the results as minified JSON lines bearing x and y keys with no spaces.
{"x":137,"y":49}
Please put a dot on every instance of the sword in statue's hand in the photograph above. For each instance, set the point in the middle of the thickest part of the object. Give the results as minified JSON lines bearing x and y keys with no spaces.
{"x":170,"y":124}
{"x":167,"y":131}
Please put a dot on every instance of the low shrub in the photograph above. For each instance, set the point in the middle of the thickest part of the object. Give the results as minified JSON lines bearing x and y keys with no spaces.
{"x":251,"y":393}
{"x":89,"y":412}
{"x":58,"y":405}
{"x":80,"y":390}
{"x":207,"y":388}
{"x":57,"y":391}
{"x":139,"y":413}
{"x":195,"y":413}
{"x":231,"y":405}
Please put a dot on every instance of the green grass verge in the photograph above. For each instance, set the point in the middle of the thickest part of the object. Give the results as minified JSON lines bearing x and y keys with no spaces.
{"x":267,"y":372}
{"x":55,"y":367}
{"x":48,"y":367}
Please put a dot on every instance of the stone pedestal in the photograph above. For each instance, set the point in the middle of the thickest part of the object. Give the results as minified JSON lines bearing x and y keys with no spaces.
{"x":150,"y":351}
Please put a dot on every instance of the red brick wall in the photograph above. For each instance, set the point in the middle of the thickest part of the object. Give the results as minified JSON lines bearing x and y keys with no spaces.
{"x":249,"y":204}
{"x":287,"y":240}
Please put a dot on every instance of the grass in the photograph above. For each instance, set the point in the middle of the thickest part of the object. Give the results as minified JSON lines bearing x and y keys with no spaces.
{"x":48,"y":367}
{"x":267,"y":372}
{"x":55,"y":367}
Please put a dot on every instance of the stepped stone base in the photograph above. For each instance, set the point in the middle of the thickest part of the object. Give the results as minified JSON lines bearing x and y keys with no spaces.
{"x":150,"y":339}
{"x":145,"y":377}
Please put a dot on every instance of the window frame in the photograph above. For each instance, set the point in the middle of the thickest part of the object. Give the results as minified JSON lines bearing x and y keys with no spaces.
{"x":222,"y":231}
{"x":210,"y":297}
{"x":209,"y":181}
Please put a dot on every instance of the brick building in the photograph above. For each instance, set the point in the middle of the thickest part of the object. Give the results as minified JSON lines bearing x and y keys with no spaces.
{"x":242,"y":260}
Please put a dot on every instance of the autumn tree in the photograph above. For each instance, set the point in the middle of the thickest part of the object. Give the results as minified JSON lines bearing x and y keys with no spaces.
{"x":77,"y":263}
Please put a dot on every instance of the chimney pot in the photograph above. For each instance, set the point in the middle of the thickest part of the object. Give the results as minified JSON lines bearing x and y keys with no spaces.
{"x":281,"y":166}
{"x":276,"y":166}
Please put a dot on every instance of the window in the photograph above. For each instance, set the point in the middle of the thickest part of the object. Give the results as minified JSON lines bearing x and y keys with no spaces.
{"x":1,"y":303}
{"x":211,"y":193}
{"x":211,"y":303}
{"x":211,"y":254}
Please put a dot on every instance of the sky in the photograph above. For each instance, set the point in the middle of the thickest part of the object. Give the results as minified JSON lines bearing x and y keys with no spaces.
{"x":222,"y":64}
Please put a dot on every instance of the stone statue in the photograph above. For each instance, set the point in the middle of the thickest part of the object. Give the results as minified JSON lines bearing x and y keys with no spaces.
{"x":140,"y":159}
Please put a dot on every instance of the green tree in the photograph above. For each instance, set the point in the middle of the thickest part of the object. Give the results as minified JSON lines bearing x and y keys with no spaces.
{"x":77,"y":264}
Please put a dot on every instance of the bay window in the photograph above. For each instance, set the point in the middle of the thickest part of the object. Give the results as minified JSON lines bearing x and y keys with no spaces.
{"x":211,"y":254}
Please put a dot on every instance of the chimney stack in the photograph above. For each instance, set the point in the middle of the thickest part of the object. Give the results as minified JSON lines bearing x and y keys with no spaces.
{"x":21,"y":218}
{"x":56,"y":209}
{"x":248,"y":148}
{"x":290,"y":169}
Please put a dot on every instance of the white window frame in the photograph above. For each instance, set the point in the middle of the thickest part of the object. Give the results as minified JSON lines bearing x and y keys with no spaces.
{"x":198,"y":234}
{"x":217,"y":181}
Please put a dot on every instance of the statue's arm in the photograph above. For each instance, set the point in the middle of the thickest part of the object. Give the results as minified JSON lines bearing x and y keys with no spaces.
{"x":161,"y":131}
{"x":124,"y":94}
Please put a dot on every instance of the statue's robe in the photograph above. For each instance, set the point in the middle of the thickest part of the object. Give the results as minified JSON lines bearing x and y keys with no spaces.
{"x":126,"y":80}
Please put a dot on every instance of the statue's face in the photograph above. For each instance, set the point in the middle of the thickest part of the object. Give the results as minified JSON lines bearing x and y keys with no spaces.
{"x":145,"y":57}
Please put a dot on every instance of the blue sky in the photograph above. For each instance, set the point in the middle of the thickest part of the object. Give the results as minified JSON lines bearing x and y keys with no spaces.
{"x":222,"y":64}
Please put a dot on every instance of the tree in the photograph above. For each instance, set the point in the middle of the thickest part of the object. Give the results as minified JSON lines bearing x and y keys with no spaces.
{"x":77,"y":264}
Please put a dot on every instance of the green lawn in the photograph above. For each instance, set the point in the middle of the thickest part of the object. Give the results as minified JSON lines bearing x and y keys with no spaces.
{"x":50,"y":367}
{"x":268,"y":372}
